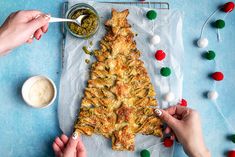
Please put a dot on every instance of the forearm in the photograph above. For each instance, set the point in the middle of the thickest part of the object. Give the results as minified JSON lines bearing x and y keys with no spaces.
{"x":3,"y":49}
{"x":3,"y":43}
{"x":201,"y":153}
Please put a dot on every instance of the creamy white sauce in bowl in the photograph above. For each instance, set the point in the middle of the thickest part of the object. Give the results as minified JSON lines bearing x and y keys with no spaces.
{"x":39,"y":91}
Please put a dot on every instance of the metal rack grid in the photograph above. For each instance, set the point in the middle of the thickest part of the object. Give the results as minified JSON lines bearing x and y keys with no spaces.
{"x":152,"y":4}
{"x":156,"y":5}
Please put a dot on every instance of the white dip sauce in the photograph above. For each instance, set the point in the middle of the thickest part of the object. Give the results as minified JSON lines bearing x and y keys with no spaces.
{"x":41,"y":93}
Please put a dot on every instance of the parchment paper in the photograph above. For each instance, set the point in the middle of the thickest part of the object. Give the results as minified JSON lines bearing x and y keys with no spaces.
{"x":168,"y":26}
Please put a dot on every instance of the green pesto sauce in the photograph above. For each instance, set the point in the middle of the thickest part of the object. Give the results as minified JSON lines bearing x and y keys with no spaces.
{"x":88,"y":25}
{"x":87,"y":61}
{"x":91,"y":43}
{"x":86,"y":50}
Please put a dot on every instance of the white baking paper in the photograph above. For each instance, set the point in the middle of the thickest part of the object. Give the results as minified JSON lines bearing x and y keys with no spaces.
{"x":75,"y":74}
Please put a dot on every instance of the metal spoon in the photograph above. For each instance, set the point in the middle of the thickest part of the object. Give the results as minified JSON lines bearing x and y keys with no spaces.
{"x":77,"y":20}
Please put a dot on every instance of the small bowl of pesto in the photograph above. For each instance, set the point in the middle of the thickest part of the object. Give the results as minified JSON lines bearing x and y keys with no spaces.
{"x":89,"y":24}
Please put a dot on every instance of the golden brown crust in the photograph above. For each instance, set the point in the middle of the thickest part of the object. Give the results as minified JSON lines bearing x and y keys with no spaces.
{"x":123,"y":139}
{"x":118,"y":20}
{"x":118,"y":99}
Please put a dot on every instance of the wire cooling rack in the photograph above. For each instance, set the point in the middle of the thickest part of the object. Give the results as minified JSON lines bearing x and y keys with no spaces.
{"x":156,"y":5}
{"x":152,"y":4}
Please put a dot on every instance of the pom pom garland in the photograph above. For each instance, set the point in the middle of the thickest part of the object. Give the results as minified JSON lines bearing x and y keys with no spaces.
{"x":160,"y":55}
{"x":218,"y":76}
{"x":202,"y":42}
{"x":155,"y":39}
{"x":212,"y":95}
{"x":165,"y":71}
{"x":228,"y":7}
{"x":151,"y":14}
{"x":210,"y":55}
{"x":145,"y":153}
{"x":231,"y":153}
{"x":183,"y":103}
{"x":219,"y":24}
{"x":233,"y":138}
{"x":168,"y":142}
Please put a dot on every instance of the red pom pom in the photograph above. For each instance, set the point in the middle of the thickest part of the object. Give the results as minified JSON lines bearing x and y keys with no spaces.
{"x":218,"y":76}
{"x":183,"y":103}
{"x":160,"y":55}
{"x":231,"y":153}
{"x":228,"y":7}
{"x":168,"y":142}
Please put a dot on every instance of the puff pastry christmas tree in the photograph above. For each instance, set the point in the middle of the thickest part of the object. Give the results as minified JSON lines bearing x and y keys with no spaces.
{"x":119,"y":96}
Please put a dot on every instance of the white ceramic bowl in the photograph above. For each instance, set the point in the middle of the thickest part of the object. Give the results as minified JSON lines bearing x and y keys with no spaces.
{"x":27,"y":86}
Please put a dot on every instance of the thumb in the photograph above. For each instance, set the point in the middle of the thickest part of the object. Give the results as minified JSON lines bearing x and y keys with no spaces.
{"x":39,"y":21}
{"x":72,"y":144}
{"x":167,"y":118}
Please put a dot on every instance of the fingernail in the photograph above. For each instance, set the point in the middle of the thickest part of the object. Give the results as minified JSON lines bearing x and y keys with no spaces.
{"x":39,"y":37}
{"x":158,"y":112}
{"x":47,"y":16}
{"x":37,"y":16}
{"x":75,"y":135}
{"x":46,"y":30}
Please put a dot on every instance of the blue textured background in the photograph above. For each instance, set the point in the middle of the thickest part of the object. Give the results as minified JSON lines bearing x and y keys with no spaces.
{"x":25,"y":131}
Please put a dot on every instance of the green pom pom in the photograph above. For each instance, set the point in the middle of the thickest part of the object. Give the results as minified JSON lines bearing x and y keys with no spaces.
{"x":219,"y":24}
{"x":233,"y":138}
{"x":165,"y":71}
{"x":151,"y":14}
{"x":145,"y":153}
{"x":210,"y":55}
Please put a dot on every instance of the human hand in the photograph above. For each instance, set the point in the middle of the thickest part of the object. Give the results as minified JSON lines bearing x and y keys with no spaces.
{"x":21,"y":27}
{"x":186,"y":126}
{"x":69,"y":147}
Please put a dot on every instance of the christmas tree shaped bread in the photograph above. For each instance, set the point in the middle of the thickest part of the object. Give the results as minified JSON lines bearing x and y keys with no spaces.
{"x":119,"y":96}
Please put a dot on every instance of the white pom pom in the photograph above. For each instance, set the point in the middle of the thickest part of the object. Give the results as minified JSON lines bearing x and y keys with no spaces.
{"x":169,"y":97}
{"x":155,"y":39}
{"x":213,"y":95}
{"x":202,"y":42}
